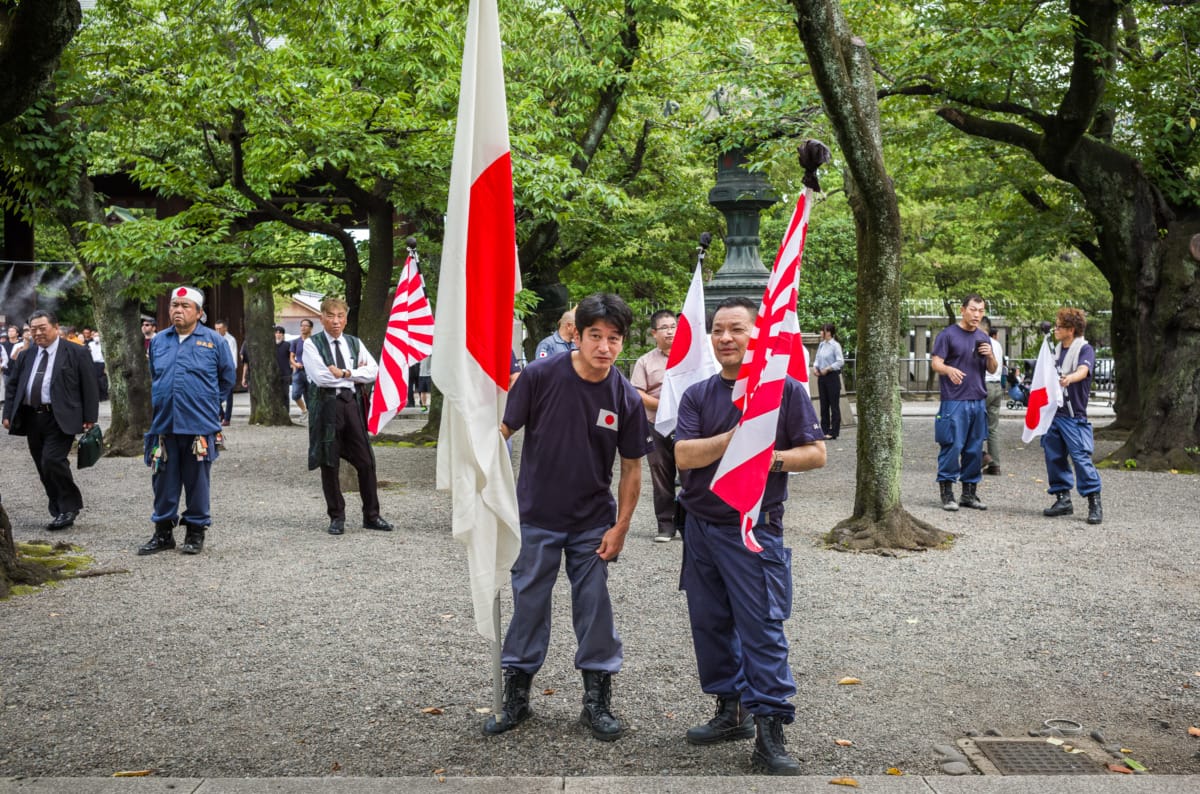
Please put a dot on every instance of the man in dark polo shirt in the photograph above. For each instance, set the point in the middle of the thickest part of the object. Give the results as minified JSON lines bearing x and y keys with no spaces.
{"x":961,"y":354}
{"x":738,"y":599}
{"x":578,"y":412}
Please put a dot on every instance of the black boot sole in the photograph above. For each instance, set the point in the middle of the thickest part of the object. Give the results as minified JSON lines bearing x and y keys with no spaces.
{"x":731,"y":735}
{"x":494,"y":727}
{"x":599,"y":735}
{"x":760,"y":765}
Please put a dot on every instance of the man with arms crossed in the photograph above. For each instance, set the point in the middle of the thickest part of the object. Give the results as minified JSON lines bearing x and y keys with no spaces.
{"x":578,"y":412}
{"x":737,"y":599}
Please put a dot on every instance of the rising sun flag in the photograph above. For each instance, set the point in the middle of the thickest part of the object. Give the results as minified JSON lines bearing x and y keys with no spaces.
{"x":409,"y":339}
{"x":741,"y":478}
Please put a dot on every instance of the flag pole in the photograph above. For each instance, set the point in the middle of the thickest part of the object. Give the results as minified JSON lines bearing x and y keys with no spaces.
{"x":497,"y":672}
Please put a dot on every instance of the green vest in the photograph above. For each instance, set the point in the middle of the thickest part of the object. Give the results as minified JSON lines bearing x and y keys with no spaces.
{"x":322,"y":425}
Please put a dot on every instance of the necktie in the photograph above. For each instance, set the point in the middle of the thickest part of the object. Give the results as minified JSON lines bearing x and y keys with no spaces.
{"x":337,"y":354}
{"x":39,"y":377}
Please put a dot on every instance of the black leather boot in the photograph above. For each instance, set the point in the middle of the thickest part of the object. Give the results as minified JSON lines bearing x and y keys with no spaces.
{"x":970,"y":498}
{"x":163,"y":540}
{"x":770,"y":750}
{"x":516,"y":703}
{"x":597,"y":706}
{"x":1095,"y":509}
{"x":948,"y":502}
{"x":193,"y":541}
{"x":1062,"y":505}
{"x":731,"y":722}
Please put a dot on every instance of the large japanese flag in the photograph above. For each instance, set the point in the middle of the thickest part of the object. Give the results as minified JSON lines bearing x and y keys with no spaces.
{"x":1045,"y":395}
{"x":473,"y":327}
{"x":692,"y":358}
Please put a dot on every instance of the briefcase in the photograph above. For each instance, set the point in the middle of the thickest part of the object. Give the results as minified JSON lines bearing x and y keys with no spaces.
{"x":91,"y":447}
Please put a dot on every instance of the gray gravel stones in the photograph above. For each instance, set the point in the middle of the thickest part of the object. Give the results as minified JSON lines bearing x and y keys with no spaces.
{"x":284,"y":651}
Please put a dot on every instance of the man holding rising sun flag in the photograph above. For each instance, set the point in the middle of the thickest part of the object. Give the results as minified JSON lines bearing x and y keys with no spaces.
{"x":738,"y":434}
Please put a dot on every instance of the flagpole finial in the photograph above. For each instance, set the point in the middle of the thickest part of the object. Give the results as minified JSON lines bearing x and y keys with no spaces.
{"x":813,"y":154}
{"x":411,"y":242}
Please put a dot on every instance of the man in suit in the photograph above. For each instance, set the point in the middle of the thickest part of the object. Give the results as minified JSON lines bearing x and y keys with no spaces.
{"x":51,"y":397}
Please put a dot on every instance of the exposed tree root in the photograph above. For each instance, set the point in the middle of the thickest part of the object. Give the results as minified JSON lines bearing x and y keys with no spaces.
{"x":896,"y":531}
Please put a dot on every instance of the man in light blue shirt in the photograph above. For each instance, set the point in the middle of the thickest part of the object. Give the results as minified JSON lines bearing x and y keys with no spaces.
{"x":561,"y":341}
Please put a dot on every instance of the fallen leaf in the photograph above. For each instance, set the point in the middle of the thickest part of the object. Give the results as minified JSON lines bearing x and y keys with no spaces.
{"x":1126,"y":750}
{"x":843,"y":742}
{"x":133,"y":773}
{"x":336,"y":767}
{"x":1121,"y":768}
{"x":483,"y":710}
{"x":448,"y":617}
{"x":439,"y":771}
{"x":1134,"y":765}
{"x":844,"y":781}
{"x":849,"y":680}
{"x":1193,"y":731}
{"x":891,"y":770}
{"x":432,"y":710}
{"x":1054,"y":740}
{"x":547,"y":691}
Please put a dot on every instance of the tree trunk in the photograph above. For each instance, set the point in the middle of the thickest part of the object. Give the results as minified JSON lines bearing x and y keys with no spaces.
{"x":119,"y":320}
{"x":266,"y":407}
{"x":842,"y":70}
{"x":13,"y":570}
{"x":32,"y":36}
{"x":379,"y":290}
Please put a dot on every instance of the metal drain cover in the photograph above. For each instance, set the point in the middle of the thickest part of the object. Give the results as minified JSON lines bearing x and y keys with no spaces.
{"x":1011,"y":756}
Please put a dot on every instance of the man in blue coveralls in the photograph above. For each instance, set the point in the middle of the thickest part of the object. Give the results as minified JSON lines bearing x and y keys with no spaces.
{"x":190,"y":370}
{"x":1069,"y":439}
{"x":578,"y":412}
{"x":737,"y":599}
{"x":961,"y":354}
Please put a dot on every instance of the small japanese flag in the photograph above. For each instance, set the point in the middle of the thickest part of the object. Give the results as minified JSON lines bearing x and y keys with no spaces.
{"x":606,"y":419}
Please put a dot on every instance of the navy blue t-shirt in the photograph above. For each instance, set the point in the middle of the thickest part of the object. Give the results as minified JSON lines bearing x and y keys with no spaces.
{"x":707,"y":410}
{"x":956,"y":347}
{"x":573,"y":431}
{"x":1077,"y":393}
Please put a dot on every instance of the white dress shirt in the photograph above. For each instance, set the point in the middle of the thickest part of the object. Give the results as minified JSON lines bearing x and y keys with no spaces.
{"x":362,"y":370}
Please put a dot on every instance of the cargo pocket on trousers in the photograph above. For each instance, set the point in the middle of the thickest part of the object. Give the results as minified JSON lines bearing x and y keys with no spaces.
{"x":777,"y":580}
{"x":943,"y":428}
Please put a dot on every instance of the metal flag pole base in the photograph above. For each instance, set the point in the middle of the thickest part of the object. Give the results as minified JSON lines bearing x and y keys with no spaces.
{"x":497,"y":673}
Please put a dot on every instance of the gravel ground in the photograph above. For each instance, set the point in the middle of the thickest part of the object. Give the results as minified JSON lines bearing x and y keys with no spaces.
{"x":282,"y":651}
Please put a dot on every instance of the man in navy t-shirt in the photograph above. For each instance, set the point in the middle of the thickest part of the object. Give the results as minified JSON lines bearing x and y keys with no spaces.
{"x":737,"y":599}
{"x":1069,"y":439}
{"x":962,"y":353}
{"x":578,"y":412}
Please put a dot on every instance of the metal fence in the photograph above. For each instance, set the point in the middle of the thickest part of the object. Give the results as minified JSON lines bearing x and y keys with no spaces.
{"x":918,"y":381}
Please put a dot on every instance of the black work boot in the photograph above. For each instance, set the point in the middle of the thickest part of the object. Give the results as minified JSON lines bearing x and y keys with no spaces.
{"x":731,"y":722}
{"x":515,"y":709}
{"x":163,"y":540}
{"x":597,"y":706}
{"x":1062,"y":505}
{"x":1095,"y":509}
{"x":970,"y":498}
{"x":193,"y":541}
{"x":948,"y":502}
{"x":770,"y":750}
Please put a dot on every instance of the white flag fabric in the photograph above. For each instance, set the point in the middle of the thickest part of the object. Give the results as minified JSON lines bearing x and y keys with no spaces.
{"x":473,"y":326}
{"x":692,"y":358}
{"x":1045,"y":395}
{"x":409,"y":339}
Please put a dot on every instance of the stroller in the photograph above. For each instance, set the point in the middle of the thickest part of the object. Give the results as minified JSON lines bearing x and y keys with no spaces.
{"x":1018,"y":392}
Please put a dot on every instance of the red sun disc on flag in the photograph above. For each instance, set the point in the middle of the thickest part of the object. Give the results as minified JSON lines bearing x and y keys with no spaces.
{"x":682,"y":343}
{"x":1038,"y":399}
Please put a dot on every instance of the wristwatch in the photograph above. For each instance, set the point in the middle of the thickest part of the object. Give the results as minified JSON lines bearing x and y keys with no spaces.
{"x":776,"y":462}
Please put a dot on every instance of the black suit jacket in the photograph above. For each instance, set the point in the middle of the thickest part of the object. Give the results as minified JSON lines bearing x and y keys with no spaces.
{"x":74,"y":391}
